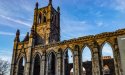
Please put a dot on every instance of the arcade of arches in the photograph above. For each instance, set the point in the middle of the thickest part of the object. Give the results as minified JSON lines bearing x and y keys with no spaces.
{"x":42,"y":53}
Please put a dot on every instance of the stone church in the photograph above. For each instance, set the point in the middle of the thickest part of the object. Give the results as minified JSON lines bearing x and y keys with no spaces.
{"x":42,"y":53}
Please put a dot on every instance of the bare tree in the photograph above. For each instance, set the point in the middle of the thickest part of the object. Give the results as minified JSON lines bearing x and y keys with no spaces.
{"x":4,"y":67}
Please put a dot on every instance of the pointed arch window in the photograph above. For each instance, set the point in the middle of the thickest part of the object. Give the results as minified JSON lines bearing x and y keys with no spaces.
{"x":86,"y":61}
{"x":51,"y":64}
{"x":68,"y":61}
{"x":107,"y":58}
{"x":21,"y":66}
{"x":44,"y":19}
{"x":40,"y":19}
{"x":36,"y":70}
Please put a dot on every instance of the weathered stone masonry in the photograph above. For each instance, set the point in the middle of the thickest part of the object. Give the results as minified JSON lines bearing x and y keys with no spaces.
{"x":44,"y":54}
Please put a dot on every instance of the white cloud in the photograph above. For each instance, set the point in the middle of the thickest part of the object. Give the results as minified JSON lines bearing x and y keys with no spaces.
{"x":5,"y":54}
{"x":71,"y":27}
{"x":16,"y":21}
{"x":9,"y":33}
{"x":120,"y":5}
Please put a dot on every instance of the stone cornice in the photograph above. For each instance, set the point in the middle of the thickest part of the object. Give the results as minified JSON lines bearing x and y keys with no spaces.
{"x":86,"y":38}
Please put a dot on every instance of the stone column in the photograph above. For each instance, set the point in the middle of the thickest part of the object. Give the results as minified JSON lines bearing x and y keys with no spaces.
{"x":15,"y":48}
{"x":47,"y":63}
{"x":95,"y":62}
{"x":32,"y":66}
{"x":29,"y":56}
{"x":59,"y":63}
{"x":16,"y":70}
{"x":76,"y":63}
{"x":13,"y":63}
{"x":117,"y":60}
{"x":121,"y":46}
{"x":43,"y":65}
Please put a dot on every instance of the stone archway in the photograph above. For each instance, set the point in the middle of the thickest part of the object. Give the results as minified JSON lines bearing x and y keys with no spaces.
{"x":68,"y":62}
{"x":21,"y":66}
{"x":108,"y":58}
{"x":36,"y":70}
{"x":86,"y":61}
{"x":51,"y":63}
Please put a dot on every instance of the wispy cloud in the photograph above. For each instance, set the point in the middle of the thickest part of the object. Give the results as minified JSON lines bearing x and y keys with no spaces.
{"x":120,"y":5}
{"x":9,"y":34}
{"x":15,"y":20}
{"x":70,"y":28}
{"x":5,"y":54}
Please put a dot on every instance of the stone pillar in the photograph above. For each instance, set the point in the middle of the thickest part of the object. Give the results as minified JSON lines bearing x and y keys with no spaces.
{"x":117,"y":61}
{"x":96,"y":69}
{"x":13,"y":64}
{"x":59,"y":63}
{"x":16,"y":70}
{"x":76,"y":63}
{"x":29,"y":56}
{"x":121,"y":46}
{"x":43,"y":65}
{"x":95,"y":62}
{"x":32,"y":66}
{"x":15,"y":48}
{"x":47,"y":63}
{"x":65,"y":64}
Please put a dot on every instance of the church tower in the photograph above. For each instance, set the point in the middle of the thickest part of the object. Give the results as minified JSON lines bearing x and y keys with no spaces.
{"x":46,"y":24}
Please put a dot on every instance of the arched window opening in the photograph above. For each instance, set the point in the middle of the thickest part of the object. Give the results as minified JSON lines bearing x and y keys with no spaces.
{"x":86,"y":61}
{"x":21,"y":66}
{"x":55,"y":18}
{"x":36,"y":65}
{"x":107,"y":59}
{"x":107,"y":50}
{"x":68,"y":61}
{"x":52,"y":19}
{"x":52,"y":64}
{"x":40,"y":19}
{"x":106,"y":70}
{"x":44,"y":19}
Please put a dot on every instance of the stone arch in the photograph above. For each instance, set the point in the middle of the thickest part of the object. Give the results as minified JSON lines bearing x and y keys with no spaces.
{"x":86,"y":45}
{"x":77,"y":47}
{"x":66,"y":64}
{"x":44,"y":19}
{"x":60,"y":50}
{"x":21,"y":65}
{"x":67,"y":49}
{"x":40,"y":18}
{"x":108,"y":42}
{"x":108,"y":60}
{"x":51,"y":62}
{"x":36,"y":63}
{"x":87,"y":65}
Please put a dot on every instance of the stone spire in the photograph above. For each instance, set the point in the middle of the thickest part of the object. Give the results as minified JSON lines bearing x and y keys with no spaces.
{"x":17,"y":39}
{"x":37,"y":5}
{"x":50,"y":2}
{"x":26,"y":37}
{"x":32,"y":32}
{"x":58,"y":9}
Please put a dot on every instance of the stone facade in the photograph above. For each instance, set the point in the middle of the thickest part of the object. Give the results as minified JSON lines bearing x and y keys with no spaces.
{"x":42,"y":53}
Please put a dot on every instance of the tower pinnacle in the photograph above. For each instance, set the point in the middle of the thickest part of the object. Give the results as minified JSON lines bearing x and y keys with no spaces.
{"x":50,"y":2}
{"x":36,"y":4}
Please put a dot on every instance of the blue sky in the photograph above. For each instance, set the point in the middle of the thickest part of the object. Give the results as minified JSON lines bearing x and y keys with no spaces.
{"x":78,"y":18}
